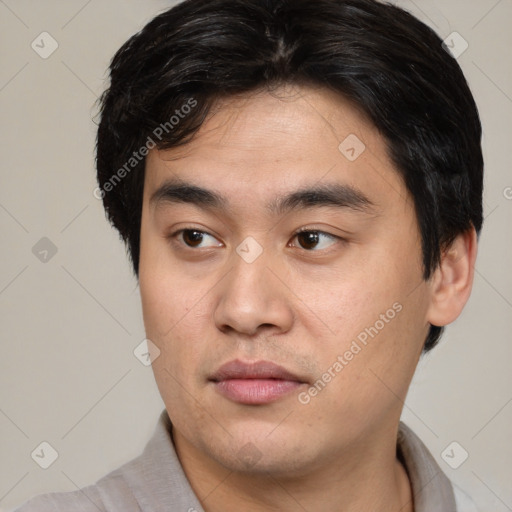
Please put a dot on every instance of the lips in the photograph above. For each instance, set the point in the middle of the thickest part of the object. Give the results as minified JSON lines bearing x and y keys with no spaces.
{"x":255,"y":383}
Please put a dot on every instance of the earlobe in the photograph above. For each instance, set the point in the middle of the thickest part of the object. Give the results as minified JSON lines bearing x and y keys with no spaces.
{"x":451,"y":283}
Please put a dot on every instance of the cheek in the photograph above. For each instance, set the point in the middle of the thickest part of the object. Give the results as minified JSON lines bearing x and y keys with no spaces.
{"x":169,"y":295}
{"x":343,"y":303}
{"x":172,"y":324}
{"x":377,"y":327}
{"x":164,"y":302}
{"x":176,"y":310}
{"x":379,"y":354}
{"x":174,"y":318}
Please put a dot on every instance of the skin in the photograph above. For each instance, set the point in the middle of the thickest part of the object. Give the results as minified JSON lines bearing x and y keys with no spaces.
{"x":299,"y":307}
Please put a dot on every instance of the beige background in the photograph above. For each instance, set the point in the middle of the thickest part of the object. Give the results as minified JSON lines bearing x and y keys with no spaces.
{"x":69,"y":326}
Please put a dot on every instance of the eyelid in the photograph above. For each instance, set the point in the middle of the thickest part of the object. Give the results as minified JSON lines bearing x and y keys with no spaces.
{"x":317,"y":230}
{"x":314,"y":230}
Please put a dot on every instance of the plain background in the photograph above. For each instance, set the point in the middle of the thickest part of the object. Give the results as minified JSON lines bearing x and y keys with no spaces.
{"x":69,"y":325}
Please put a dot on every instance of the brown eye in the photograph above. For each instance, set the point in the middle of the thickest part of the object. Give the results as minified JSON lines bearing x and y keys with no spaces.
{"x":192,"y":238}
{"x":315,"y":240}
{"x":308,"y":239}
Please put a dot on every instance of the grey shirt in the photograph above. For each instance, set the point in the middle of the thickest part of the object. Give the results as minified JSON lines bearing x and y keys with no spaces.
{"x":155,"y":482}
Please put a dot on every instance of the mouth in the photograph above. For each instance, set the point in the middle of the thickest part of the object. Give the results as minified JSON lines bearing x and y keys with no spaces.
{"x":255,"y":383}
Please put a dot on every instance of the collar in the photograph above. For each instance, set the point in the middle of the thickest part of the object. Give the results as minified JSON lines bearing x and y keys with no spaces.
{"x":431,"y":488}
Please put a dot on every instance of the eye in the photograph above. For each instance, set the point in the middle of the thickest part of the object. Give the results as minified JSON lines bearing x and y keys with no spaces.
{"x":196,"y":239}
{"x":312,"y":240}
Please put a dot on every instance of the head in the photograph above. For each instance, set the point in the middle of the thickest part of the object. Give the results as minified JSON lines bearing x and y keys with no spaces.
{"x":296,"y":181}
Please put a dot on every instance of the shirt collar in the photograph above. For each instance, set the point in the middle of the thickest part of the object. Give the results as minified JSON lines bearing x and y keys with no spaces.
{"x":431,"y":488}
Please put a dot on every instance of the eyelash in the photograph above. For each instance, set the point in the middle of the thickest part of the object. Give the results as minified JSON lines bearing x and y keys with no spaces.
{"x":297,"y":233}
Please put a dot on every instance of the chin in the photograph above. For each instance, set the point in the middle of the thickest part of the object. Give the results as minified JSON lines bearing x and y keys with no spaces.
{"x":257,"y":454}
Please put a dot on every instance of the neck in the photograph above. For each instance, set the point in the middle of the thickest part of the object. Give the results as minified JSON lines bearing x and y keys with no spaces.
{"x":366,"y":477}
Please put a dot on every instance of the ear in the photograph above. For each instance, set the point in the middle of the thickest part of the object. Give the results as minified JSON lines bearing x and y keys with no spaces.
{"x":451,"y":283}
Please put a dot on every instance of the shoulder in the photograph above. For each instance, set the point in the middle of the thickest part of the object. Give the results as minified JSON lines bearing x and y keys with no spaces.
{"x":85,"y":500}
{"x":432,"y":489}
{"x":139,"y":484}
{"x":110,"y":494}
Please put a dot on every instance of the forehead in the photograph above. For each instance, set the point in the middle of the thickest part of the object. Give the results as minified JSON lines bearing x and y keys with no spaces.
{"x":259,"y":145}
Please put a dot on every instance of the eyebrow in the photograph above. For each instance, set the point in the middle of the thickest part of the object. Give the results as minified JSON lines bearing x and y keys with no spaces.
{"x":330,"y":194}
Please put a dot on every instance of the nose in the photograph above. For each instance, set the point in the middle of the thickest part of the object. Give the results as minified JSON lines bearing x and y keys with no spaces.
{"x":253,"y":299}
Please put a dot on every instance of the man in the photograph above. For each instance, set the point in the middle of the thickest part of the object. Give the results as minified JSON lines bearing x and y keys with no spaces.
{"x":300,"y":187}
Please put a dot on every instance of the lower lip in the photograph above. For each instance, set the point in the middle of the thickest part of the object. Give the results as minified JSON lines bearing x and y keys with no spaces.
{"x":255,"y":391}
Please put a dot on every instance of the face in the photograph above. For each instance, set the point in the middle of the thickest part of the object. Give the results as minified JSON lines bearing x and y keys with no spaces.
{"x":281,"y":281}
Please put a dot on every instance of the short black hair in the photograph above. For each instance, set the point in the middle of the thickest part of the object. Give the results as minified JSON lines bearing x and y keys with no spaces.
{"x":165,"y":79}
